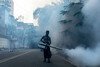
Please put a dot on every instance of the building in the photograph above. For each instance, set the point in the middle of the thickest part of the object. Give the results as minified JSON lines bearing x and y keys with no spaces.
{"x":6,"y":9}
{"x":10,"y":5}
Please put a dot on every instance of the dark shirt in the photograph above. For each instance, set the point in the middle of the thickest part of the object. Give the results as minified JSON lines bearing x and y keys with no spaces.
{"x":46,"y":40}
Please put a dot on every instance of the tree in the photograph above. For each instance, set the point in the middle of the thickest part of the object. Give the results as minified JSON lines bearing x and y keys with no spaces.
{"x":74,"y":31}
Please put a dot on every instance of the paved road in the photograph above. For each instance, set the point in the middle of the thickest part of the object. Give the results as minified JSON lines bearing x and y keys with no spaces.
{"x":33,"y":58}
{"x":6,"y":53}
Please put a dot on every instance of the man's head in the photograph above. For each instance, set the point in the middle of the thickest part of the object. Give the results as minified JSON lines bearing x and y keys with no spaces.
{"x":47,"y":32}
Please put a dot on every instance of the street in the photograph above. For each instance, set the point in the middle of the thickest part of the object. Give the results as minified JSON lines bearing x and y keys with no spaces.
{"x":32,"y":58}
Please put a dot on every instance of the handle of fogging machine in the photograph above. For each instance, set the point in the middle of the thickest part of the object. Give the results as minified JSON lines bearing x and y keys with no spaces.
{"x":51,"y":46}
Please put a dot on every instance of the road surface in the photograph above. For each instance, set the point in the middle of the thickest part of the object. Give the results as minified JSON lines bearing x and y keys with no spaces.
{"x":33,"y":58}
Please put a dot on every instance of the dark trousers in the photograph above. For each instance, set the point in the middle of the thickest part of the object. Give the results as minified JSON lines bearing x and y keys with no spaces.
{"x":47,"y":54}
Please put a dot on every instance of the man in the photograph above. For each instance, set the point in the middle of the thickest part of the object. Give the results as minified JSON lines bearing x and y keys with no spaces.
{"x":47,"y":41}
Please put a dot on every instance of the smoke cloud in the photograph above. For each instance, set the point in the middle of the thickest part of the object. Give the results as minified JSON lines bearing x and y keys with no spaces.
{"x":88,"y":57}
{"x":48,"y":19}
{"x":84,"y":57}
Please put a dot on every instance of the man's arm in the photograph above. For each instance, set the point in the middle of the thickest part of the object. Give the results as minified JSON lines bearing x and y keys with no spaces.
{"x":50,"y":40}
{"x":42,"y":39}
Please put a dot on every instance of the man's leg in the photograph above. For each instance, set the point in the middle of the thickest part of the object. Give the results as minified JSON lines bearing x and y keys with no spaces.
{"x":44,"y":59}
{"x":44,"y":55}
{"x":48,"y":60}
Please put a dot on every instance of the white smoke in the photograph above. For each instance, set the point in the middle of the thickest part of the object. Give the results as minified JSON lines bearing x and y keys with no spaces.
{"x":89,"y":57}
{"x":84,"y":57}
{"x":48,"y":19}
